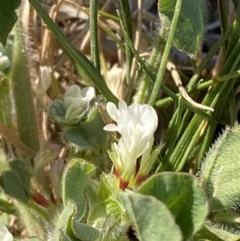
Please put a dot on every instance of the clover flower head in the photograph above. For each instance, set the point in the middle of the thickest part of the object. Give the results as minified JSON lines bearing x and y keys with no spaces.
{"x":77,"y":101}
{"x":5,"y":235}
{"x":136,"y":124}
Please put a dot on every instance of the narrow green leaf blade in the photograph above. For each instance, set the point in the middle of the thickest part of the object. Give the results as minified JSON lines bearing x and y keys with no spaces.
{"x":182,"y":195}
{"x":151,"y":218}
{"x":8,"y":17}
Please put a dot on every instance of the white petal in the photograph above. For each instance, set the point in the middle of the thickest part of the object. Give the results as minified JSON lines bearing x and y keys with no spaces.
{"x":6,"y":237}
{"x":71,"y":100}
{"x":3,"y":228}
{"x":110,"y":127}
{"x":136,"y":124}
{"x":88,"y":92}
{"x":73,"y":91}
{"x":76,"y":111}
{"x":122,"y":105}
{"x":112,"y":111}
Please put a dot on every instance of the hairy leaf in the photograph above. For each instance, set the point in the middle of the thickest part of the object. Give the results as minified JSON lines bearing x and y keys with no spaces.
{"x":190,"y":25}
{"x":84,"y":231}
{"x":182,"y":195}
{"x":75,"y":180}
{"x":151,"y":218}
{"x":22,"y":91}
{"x":15,"y":184}
{"x":220,"y":171}
{"x":225,"y":235}
{"x":88,"y":135}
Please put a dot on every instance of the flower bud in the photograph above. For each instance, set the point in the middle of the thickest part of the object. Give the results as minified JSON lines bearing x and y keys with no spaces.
{"x":77,"y":101}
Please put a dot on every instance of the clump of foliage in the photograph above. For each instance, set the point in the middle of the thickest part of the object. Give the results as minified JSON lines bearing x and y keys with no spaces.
{"x":119,"y":181}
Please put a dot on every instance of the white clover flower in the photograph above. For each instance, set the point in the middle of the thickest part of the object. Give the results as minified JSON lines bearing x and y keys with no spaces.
{"x":5,"y":235}
{"x":77,"y":101}
{"x":136,"y":124}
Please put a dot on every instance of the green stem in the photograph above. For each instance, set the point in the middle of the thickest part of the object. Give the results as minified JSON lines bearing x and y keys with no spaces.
{"x":127,"y":23}
{"x":166,"y":53}
{"x":235,"y":35}
{"x":40,"y":211}
{"x":173,"y":97}
{"x":94,"y":33}
{"x":223,"y":12}
{"x":222,"y":78}
{"x":156,"y":55}
{"x":108,"y":16}
{"x":7,"y":207}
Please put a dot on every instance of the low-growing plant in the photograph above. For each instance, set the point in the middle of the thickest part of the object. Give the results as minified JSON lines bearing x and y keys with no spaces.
{"x":132,"y":163}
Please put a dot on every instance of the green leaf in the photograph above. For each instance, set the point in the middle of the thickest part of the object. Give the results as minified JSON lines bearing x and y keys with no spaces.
{"x":181,"y":193}
{"x":66,"y":214}
{"x":65,"y":237}
{"x":205,"y":234}
{"x":84,"y":232}
{"x":75,"y":181}
{"x":22,"y":91}
{"x":62,"y":223}
{"x":13,"y":186}
{"x":151,"y":218}
{"x":88,"y":135}
{"x":190,"y":25}
{"x":220,"y":171}
{"x":222,"y":234}
{"x":102,"y":199}
{"x":21,"y":168}
{"x":8,"y":17}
